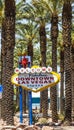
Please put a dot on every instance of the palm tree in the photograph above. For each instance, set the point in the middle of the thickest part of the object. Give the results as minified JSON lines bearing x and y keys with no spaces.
{"x":3,"y":67}
{"x":62,"y":86}
{"x":42,"y":18}
{"x":62,"y":81}
{"x":72,"y":64}
{"x":52,"y":6}
{"x":9,"y":41}
{"x":67,"y":25}
{"x":53,"y":90}
{"x":44,"y":94}
{"x":3,"y":54}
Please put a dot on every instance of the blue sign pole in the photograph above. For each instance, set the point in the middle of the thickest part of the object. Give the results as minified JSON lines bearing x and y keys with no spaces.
{"x":30,"y":107}
{"x":20,"y":96}
{"x":21,"y":106}
{"x":1,"y":88}
{"x":30,"y":98}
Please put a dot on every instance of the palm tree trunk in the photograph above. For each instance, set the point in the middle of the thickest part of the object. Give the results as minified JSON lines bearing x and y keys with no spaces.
{"x":17,"y":98}
{"x":9,"y":88}
{"x":66,"y":24}
{"x":62,"y":103}
{"x":43,"y":94}
{"x":72,"y":64}
{"x":3,"y":69}
{"x":53,"y":90}
{"x":9,"y":44}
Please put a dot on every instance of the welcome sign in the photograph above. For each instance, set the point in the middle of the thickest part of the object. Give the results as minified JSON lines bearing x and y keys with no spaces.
{"x":35,"y":79}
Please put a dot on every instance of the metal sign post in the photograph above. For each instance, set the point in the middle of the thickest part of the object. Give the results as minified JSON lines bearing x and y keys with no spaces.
{"x":23,"y":62}
{"x":20,"y":96}
{"x":1,"y":90}
{"x":30,"y":107}
{"x":21,"y":106}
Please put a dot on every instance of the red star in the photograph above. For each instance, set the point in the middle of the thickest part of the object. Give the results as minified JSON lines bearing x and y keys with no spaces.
{"x":24,"y":62}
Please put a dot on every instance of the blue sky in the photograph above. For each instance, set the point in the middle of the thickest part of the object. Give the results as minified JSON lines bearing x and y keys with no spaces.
{"x":23,"y":0}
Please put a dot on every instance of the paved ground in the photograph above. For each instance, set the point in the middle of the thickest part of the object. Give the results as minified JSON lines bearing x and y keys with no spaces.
{"x":68,"y":127}
{"x":2,"y":124}
{"x":22,"y":127}
{"x":64,"y":128}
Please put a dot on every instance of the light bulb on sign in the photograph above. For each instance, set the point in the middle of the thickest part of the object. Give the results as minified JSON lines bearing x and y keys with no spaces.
{"x":22,"y":70}
{"x":43,"y":69}
{"x":17,"y":70}
{"x":28,"y":70}
{"x":49,"y":69}
{"x":38,"y":70}
{"x":33,"y":70}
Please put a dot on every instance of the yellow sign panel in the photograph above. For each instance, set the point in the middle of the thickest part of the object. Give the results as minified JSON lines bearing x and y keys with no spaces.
{"x":35,"y":81}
